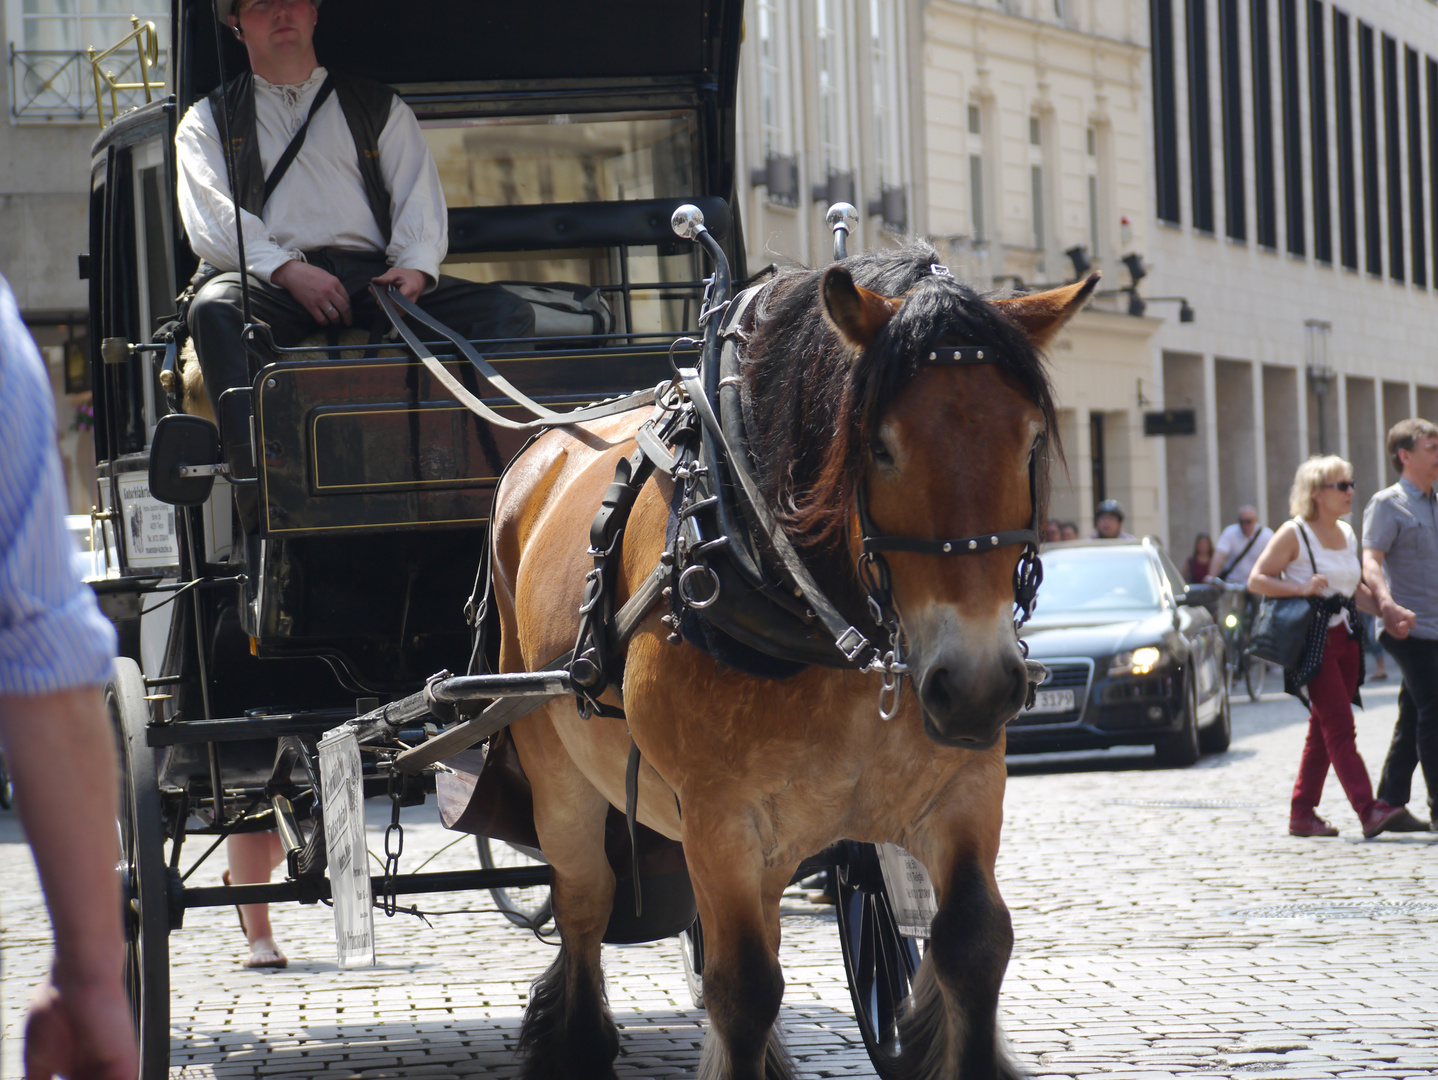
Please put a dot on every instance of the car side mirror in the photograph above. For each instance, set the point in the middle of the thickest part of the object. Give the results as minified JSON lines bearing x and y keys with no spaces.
{"x":1200,"y":595}
{"x":184,"y":460}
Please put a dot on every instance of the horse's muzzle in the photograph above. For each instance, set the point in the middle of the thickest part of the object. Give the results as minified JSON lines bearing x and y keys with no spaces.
{"x":967,"y":705}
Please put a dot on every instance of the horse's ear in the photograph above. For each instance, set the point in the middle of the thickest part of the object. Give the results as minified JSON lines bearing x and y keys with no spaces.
{"x":855,"y":312}
{"x":1042,"y":315}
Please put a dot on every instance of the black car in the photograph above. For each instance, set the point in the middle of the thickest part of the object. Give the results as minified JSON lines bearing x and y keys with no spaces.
{"x":1133,"y":656}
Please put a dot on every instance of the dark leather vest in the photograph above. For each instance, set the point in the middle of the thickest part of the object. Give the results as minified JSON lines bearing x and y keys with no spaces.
{"x":366,"y":105}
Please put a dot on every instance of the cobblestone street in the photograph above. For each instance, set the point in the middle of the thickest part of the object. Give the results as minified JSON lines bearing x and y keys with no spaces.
{"x":1165,"y":925}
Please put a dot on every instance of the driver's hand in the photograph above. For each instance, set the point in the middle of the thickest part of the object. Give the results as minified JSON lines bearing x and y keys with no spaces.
{"x":411,"y":282}
{"x":318,"y":291}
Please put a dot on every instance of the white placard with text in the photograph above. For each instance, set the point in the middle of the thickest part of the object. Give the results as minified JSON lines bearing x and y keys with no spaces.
{"x":911,"y":893}
{"x":148,"y":525}
{"x":345,"y":842}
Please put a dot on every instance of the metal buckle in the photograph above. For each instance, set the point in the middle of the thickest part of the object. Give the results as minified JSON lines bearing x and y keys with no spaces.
{"x":851,"y":643}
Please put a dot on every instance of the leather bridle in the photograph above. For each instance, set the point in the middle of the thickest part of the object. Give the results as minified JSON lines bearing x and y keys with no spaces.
{"x":874,"y":568}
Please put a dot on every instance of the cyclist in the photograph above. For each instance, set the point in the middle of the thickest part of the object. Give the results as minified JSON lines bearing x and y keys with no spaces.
{"x":1108,"y":521}
{"x":1238,"y":548}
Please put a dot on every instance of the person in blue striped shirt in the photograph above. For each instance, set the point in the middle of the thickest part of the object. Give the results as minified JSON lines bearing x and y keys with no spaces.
{"x":55,"y":653}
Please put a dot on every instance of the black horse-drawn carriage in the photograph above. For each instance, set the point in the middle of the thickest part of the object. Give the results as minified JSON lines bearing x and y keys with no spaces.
{"x":567,"y":135}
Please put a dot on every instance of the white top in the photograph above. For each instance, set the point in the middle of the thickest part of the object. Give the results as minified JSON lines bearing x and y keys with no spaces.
{"x":1339,"y":565}
{"x":320,"y":202}
{"x":1231,"y":541}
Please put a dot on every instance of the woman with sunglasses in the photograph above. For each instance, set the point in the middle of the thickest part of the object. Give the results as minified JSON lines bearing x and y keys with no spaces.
{"x":1316,"y":555}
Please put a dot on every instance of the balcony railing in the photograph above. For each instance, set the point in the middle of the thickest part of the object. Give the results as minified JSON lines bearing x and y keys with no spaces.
{"x":56,"y":84}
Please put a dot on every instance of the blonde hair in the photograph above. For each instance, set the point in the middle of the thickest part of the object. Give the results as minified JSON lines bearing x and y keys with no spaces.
{"x":1310,"y":477}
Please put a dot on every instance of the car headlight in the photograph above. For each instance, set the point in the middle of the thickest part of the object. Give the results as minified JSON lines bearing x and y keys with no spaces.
{"x":1137,"y":661}
{"x":1231,"y":620}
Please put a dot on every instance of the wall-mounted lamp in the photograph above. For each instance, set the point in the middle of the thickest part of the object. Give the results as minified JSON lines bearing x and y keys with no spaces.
{"x":1185,"y":309}
{"x":1136,"y":270}
{"x":1078,"y":255}
{"x":1136,"y":304}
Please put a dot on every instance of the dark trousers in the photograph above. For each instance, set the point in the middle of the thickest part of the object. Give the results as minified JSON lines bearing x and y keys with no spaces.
{"x":215,"y":320}
{"x":1415,"y":735}
{"x":1330,"y":730}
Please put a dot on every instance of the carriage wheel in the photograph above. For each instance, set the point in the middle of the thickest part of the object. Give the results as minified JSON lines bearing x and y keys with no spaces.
{"x":879,"y":961}
{"x":144,"y":874}
{"x":528,"y":907}
{"x":691,"y":948}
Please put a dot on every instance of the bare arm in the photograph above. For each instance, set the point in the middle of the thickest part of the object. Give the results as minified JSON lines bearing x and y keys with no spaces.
{"x":61,"y":753}
{"x":1215,"y":566}
{"x":1281,"y":550}
{"x":1397,"y":620}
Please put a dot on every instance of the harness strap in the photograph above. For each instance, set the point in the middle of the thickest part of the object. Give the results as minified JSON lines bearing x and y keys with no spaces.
{"x":631,"y":809}
{"x":391,"y":302}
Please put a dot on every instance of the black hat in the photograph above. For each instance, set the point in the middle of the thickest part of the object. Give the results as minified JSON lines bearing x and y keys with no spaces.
{"x":224,"y":8}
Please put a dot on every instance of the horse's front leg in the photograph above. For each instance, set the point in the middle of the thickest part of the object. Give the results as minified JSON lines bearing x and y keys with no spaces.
{"x":950,"y":1029}
{"x":738,"y":893}
{"x":568,"y":1032}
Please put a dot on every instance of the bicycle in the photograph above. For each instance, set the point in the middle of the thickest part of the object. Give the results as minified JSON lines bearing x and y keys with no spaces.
{"x":1236,"y":609}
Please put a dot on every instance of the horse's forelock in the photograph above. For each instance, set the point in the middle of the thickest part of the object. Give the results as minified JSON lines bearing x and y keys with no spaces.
{"x":815,"y":403}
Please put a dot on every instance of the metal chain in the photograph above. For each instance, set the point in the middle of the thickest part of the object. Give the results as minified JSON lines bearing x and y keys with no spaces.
{"x":878,"y":591}
{"x":393,"y":846}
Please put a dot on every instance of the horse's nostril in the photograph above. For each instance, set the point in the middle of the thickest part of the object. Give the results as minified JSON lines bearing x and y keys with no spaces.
{"x":939,"y":692}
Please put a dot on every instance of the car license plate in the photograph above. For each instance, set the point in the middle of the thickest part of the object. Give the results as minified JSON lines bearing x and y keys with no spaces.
{"x":1052,"y":701}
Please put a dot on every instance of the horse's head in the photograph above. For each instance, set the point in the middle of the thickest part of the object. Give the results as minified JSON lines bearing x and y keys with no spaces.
{"x":934,"y":451}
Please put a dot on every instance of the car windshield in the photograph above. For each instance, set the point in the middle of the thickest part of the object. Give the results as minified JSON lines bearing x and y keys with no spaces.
{"x":1097,"y":579}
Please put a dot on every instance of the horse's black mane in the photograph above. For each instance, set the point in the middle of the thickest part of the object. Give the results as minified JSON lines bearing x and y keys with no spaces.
{"x":813,"y":405}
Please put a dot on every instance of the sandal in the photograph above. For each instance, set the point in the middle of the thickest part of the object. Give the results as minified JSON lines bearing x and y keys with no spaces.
{"x":258,"y":958}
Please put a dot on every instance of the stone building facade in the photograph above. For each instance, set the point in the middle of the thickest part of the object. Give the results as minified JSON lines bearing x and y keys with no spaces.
{"x":1293,"y":148}
{"x":1009,"y":133}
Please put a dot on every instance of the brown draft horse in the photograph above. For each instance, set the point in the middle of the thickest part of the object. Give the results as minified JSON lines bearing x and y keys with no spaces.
{"x":754,"y":775}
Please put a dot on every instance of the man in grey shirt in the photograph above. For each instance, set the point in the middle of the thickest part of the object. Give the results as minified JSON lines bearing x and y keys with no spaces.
{"x":1400,"y":566}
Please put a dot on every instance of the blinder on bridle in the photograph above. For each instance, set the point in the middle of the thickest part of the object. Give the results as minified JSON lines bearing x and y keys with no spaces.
{"x":874,"y":568}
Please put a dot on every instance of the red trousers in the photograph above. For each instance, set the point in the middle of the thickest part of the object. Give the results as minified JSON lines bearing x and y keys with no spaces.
{"x":1330,"y":729}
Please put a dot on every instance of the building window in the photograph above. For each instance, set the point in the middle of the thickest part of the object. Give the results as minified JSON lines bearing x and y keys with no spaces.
{"x":1432,"y":66}
{"x":1230,"y":77}
{"x":1091,"y":171}
{"x":1096,"y":457}
{"x":1415,"y":167}
{"x":1266,"y":197}
{"x":1393,"y":147}
{"x":1165,"y":111}
{"x":1199,"y":121}
{"x":50,"y":75}
{"x":1343,"y":122}
{"x":1318,"y":133}
{"x":1036,"y":181}
{"x":1368,"y":130}
{"x":833,"y":89}
{"x":888,"y":112}
{"x":773,"y":95}
{"x":977,"y":217}
{"x":1292,"y":127}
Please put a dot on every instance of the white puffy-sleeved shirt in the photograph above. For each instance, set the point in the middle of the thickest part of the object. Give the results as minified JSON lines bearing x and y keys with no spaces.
{"x":320,"y":202}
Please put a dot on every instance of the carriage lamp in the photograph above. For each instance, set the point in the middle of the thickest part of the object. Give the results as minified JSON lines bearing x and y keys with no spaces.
{"x":1078,"y":255}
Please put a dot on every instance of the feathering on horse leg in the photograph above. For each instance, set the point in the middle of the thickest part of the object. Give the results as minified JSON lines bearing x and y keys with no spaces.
{"x":950,"y":1030}
{"x":743,"y":982}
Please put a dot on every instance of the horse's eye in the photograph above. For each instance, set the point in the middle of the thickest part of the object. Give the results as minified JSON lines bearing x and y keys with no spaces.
{"x":880,"y":453}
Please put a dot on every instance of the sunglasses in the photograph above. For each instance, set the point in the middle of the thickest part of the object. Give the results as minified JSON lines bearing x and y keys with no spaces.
{"x":1342,"y":485}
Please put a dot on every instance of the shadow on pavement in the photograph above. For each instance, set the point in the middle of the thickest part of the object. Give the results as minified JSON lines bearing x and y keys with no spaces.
{"x":663,"y":1041}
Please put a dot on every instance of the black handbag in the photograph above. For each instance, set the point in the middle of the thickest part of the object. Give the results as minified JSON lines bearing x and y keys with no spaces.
{"x":1281,"y":627}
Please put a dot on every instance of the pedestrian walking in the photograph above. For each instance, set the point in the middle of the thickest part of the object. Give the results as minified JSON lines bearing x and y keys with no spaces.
{"x":1400,"y":565}
{"x":1316,"y":555}
{"x":55,"y":653}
